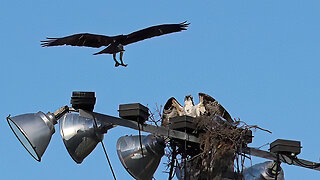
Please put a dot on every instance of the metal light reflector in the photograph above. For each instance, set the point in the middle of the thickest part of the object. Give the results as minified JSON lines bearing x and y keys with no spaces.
{"x":80,"y":135}
{"x":263,"y":171}
{"x":140,"y":166}
{"x":34,"y":131}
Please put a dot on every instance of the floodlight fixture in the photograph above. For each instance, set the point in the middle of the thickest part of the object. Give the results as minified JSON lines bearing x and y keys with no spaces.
{"x":82,"y":129}
{"x":34,"y":131}
{"x":80,"y":135}
{"x":265,"y":170}
{"x":140,"y":163}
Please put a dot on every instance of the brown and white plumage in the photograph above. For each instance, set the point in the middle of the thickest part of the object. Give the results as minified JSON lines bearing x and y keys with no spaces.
{"x":171,"y":109}
{"x":114,"y":44}
{"x":189,"y":107}
{"x":212,"y":106}
{"x":207,"y":106}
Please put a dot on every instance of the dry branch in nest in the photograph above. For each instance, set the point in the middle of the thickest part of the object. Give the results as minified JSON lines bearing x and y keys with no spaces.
{"x":155,"y":116}
{"x":220,"y":143}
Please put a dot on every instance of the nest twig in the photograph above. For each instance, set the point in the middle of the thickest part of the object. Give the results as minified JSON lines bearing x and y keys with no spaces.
{"x":155,"y":116}
{"x":221,"y":142}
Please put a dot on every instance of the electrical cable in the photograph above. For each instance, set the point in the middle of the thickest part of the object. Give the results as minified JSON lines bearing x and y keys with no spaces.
{"x":284,"y":159}
{"x":306,"y":165}
{"x":302,"y":164}
{"x":140,"y":140}
{"x":104,"y":149}
{"x":298,"y":161}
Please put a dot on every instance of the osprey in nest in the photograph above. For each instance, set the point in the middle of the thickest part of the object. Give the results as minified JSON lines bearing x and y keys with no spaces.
{"x":114,"y":44}
{"x":207,"y":105}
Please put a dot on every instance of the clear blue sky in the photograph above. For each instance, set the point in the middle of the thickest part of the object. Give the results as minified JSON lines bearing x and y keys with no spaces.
{"x":260,"y":59}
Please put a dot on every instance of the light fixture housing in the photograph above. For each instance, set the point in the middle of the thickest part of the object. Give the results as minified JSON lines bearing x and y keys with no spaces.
{"x":34,"y":131}
{"x":140,"y":165}
{"x":265,"y":170}
{"x":80,"y":135}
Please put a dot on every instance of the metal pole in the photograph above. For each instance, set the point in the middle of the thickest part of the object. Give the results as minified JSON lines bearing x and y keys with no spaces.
{"x":110,"y":121}
{"x":161,"y":131}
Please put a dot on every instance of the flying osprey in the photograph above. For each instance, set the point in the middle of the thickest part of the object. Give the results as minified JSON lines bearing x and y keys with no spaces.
{"x":114,"y":43}
{"x":207,"y":106}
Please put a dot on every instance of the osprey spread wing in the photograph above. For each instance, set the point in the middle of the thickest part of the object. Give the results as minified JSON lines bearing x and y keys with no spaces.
{"x":114,"y":43}
{"x":207,"y":106}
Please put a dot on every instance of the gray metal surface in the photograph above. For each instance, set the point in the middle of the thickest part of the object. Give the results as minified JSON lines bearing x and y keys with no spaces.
{"x":141,"y":165}
{"x":80,"y":135}
{"x":285,"y":146}
{"x":262,"y":171}
{"x":34,"y":131}
{"x":282,"y":158}
{"x":134,"y":111}
{"x":106,"y":120}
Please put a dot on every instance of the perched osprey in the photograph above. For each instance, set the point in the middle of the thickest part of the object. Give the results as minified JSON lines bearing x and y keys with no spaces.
{"x":207,"y":106}
{"x":114,"y":44}
{"x":189,"y":108}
